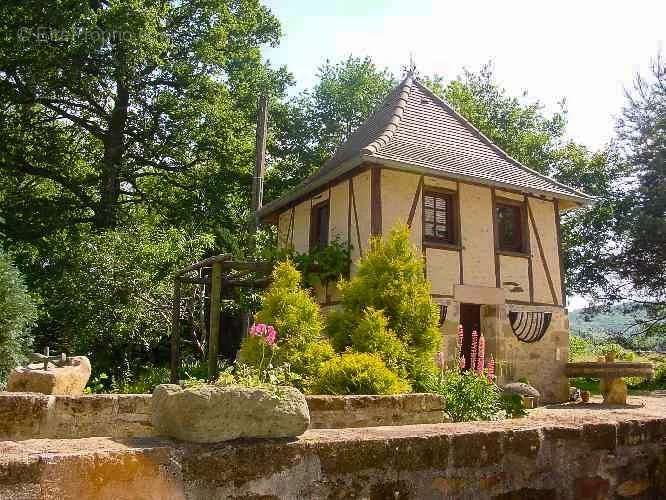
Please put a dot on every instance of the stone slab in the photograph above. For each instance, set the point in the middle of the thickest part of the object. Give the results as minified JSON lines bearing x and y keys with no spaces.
{"x":211,"y":414}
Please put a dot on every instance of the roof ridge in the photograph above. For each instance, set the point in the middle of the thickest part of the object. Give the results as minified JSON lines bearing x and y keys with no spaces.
{"x":385,"y":137}
{"x":490,"y":143}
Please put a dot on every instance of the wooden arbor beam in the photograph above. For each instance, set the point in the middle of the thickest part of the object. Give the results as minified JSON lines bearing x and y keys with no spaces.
{"x":215,"y":320}
{"x":175,"y":333}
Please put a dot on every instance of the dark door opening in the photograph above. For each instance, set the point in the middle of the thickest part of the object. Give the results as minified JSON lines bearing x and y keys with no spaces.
{"x":470,"y":319}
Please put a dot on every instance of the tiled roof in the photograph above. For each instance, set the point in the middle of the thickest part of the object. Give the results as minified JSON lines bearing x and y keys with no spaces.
{"x":415,"y":129}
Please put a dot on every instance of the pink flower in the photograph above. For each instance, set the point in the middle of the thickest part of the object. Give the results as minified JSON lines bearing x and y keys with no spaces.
{"x":271,"y":335}
{"x":491,"y":368}
{"x":461,"y":335}
{"x":481,"y":356}
{"x":267,"y":332}
{"x":461,"y":362}
{"x":475,"y":345}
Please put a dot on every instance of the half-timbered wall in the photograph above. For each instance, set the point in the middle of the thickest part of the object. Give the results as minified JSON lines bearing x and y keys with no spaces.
{"x":532,"y":277}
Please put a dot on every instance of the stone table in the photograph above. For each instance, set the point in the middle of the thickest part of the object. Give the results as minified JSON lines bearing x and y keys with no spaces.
{"x":613,"y":388}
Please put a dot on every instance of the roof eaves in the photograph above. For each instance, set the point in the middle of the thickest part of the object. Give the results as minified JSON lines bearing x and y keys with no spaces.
{"x":482,"y":136}
{"x":425,"y":169}
{"x":310,"y":184}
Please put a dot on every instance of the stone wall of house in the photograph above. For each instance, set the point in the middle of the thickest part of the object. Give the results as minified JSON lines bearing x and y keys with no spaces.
{"x":30,"y":416}
{"x":504,"y":460}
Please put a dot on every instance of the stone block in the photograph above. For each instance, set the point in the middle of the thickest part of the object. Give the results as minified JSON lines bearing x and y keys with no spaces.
{"x":211,"y":414}
{"x":67,"y":380}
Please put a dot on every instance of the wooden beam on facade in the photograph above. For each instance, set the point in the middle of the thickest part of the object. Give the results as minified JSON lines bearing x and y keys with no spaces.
{"x":542,"y":255}
{"x":376,"y":201}
{"x":415,"y":202}
{"x":563,"y":286}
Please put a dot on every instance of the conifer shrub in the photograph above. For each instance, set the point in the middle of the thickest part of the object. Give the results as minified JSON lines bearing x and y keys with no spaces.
{"x":358,"y":373}
{"x":388,"y":303}
{"x":372,"y":335}
{"x":17,"y":316}
{"x":293,"y":312}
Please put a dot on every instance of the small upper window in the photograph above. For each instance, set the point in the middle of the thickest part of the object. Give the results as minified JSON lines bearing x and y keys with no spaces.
{"x":510,"y":227}
{"x":438,"y":217}
{"x":319,"y":225}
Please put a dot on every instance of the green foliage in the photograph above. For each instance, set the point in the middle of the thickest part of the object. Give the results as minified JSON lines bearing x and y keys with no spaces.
{"x":469,"y":396}
{"x":372,"y":335}
{"x":358,"y":373}
{"x":512,"y":404}
{"x":108,"y":296}
{"x":312,"y":125}
{"x":297,"y":318}
{"x":616,"y":349}
{"x":579,"y":348}
{"x":389,"y":299}
{"x":244,"y":375}
{"x":324,"y":264}
{"x":145,"y":382}
{"x":17,"y":314}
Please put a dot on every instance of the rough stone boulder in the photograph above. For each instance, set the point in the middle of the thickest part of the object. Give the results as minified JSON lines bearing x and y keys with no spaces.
{"x":522,"y":389}
{"x":70,"y":379}
{"x":210,"y":414}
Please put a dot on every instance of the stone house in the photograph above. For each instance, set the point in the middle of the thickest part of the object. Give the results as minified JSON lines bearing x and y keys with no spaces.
{"x":488,"y":227}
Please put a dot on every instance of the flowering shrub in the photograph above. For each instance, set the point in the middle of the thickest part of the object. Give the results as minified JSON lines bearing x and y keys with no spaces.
{"x":358,"y":373}
{"x":470,"y":394}
{"x":289,"y":323}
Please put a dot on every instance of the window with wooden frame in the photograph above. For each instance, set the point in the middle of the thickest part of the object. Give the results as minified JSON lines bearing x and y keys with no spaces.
{"x":511,"y":226}
{"x":439,"y":217}
{"x":319,"y":225}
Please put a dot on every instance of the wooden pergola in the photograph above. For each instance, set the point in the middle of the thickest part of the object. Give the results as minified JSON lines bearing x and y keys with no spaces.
{"x":219,"y":272}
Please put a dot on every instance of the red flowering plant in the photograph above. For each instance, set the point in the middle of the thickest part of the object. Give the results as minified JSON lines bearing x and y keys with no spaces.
{"x":470,"y":394}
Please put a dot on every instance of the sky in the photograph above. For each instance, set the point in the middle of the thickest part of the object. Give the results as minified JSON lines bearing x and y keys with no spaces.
{"x":585,"y":51}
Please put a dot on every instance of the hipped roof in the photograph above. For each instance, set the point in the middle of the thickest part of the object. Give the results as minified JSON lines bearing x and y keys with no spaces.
{"x":414,"y":130}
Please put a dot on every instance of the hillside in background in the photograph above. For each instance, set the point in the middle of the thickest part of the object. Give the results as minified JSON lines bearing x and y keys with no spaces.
{"x":614,"y":321}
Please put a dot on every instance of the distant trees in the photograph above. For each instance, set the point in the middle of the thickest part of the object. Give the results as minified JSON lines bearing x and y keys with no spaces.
{"x":308,"y":128}
{"x":633,"y":263}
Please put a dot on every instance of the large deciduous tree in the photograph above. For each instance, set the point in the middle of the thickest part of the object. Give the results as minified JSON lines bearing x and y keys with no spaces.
{"x":127,"y":151}
{"x":111,"y":103}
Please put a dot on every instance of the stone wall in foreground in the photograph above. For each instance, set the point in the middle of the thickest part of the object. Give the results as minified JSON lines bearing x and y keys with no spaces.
{"x":28,"y":415}
{"x":586,"y":458}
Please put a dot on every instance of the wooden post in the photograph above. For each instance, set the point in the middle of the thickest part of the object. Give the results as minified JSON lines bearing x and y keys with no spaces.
{"x":175,"y":333}
{"x":260,"y":160}
{"x":214,"y":328}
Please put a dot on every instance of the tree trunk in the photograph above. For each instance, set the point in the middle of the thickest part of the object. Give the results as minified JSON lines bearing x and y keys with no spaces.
{"x":106,"y":214}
